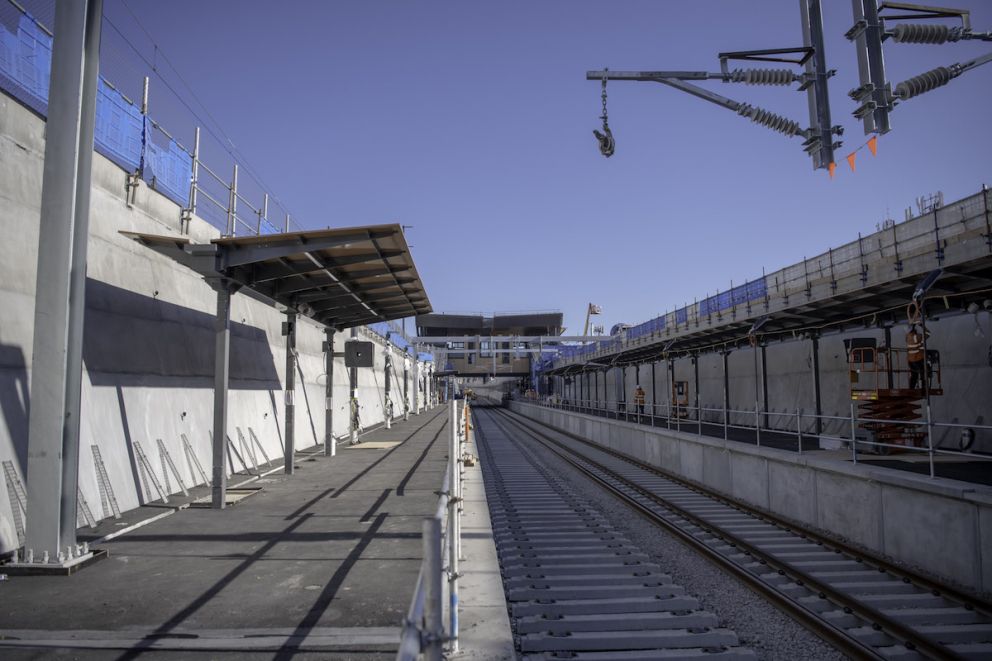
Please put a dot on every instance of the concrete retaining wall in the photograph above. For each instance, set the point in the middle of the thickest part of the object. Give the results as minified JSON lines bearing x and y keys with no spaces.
{"x":148,"y":347}
{"x":943,"y":527}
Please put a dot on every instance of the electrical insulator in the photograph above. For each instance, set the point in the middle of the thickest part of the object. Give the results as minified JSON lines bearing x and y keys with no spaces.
{"x":925,"y":82}
{"x":762,"y":76}
{"x":906,"y":33}
{"x":770,"y":120}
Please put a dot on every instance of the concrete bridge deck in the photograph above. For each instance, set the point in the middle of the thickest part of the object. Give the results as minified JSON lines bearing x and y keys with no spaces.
{"x":324,"y":561}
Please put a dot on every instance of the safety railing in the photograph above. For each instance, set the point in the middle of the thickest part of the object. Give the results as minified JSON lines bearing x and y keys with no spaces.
{"x":799,"y":426}
{"x":126,"y":134}
{"x":423,"y":632}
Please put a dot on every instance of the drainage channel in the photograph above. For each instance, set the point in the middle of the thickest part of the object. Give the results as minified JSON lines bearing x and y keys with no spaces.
{"x":864,"y":606}
{"x":576,"y":587}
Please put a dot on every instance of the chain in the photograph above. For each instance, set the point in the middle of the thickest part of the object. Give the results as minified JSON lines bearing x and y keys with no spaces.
{"x":604,"y":116}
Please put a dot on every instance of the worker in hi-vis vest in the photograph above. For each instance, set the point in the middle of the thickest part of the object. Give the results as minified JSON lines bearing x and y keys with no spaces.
{"x":915,"y":356}
{"x":639,"y":399}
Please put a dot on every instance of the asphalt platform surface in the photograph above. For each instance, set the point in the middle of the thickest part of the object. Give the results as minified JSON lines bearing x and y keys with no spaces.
{"x":322,"y":563}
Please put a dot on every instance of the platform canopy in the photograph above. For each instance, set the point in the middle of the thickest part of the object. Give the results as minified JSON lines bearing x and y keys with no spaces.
{"x":341,"y":277}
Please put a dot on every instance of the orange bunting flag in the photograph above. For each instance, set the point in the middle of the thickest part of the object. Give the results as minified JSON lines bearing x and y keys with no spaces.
{"x":873,"y":145}
{"x":830,"y":168}
{"x":851,"y":158}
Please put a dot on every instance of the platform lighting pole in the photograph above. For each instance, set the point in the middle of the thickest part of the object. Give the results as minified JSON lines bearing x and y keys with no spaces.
{"x":330,"y":447}
{"x":56,"y":376}
{"x":289,"y":330}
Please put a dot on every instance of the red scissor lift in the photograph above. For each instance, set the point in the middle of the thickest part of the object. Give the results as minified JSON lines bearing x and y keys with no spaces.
{"x":888,"y":409}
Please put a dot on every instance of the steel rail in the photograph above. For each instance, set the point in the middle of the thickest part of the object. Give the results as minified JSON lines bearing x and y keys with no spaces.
{"x":969,"y":601}
{"x":910,"y":638}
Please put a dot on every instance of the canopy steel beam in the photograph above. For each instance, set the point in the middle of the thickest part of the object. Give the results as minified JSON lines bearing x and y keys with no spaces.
{"x":286,"y":245}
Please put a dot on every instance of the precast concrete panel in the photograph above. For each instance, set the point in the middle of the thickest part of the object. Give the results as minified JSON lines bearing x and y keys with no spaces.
{"x":711,"y":386}
{"x":148,"y":340}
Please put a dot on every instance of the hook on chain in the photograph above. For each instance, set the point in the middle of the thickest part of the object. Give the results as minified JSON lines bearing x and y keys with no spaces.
{"x":607,"y":144}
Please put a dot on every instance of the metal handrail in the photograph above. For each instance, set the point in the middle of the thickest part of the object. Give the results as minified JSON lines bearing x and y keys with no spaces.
{"x":630,"y":414}
{"x":423,"y":632}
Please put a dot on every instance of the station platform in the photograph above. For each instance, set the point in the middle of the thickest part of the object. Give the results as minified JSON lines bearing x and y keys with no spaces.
{"x":323,"y":562}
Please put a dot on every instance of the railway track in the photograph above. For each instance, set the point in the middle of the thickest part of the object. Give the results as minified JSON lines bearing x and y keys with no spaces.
{"x":864,"y":606}
{"x":576,"y":587}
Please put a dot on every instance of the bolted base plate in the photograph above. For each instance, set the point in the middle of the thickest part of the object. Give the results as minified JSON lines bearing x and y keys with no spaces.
{"x":54,"y":568}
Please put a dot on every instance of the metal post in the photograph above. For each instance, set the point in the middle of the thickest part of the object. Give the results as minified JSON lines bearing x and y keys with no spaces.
{"x":433,"y":634}
{"x":416,"y":384}
{"x":757,"y":405}
{"x":816,"y":385}
{"x":764,"y":386}
{"x":330,"y":446}
{"x":195,"y":179}
{"x":406,"y":387}
{"x":854,"y":440}
{"x":799,"y":430}
{"x":53,"y":432}
{"x":289,"y":330}
{"x":654,"y":391}
{"x":670,"y":378}
{"x":695,"y":373}
{"x":286,"y":227}
{"x":454,"y":526}
{"x":263,"y":212}
{"x":930,"y":437}
{"x":222,"y":353}
{"x":726,"y":396}
{"x":888,"y":357}
{"x":388,"y":369}
{"x":353,"y":398}
{"x":232,"y":205}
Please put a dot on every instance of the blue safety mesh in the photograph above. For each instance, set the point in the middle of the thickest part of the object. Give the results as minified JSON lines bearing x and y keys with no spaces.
{"x":118,"y":130}
{"x":168,"y":168}
{"x":25,"y":58}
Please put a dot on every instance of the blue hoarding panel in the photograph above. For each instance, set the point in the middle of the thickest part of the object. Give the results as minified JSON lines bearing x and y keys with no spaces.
{"x":167,"y":167}
{"x":118,"y":131}
{"x":26,"y":62}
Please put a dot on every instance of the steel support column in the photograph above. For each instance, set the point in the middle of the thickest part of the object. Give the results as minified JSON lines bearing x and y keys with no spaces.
{"x":289,"y":438}
{"x":764,"y":384}
{"x":353,"y":399}
{"x":816,"y":384}
{"x":416,"y":384}
{"x":388,"y":369}
{"x":53,"y":431}
{"x":654,"y":391}
{"x":222,"y":356}
{"x":406,"y":386}
{"x":726,"y":392}
{"x":695,"y":368}
{"x":330,"y":446}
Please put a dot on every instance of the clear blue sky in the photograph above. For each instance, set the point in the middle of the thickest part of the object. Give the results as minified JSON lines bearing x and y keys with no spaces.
{"x":472,"y":122}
